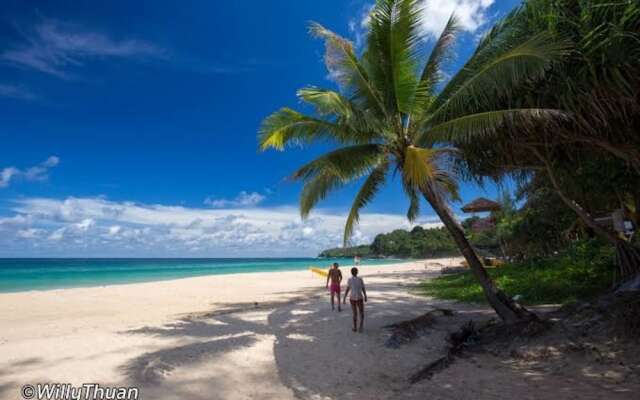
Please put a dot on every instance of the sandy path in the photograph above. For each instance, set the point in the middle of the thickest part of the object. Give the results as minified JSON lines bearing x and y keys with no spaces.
{"x":199,"y":338}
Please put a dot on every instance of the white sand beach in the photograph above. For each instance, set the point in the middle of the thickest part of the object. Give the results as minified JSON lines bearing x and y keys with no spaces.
{"x":245,"y":336}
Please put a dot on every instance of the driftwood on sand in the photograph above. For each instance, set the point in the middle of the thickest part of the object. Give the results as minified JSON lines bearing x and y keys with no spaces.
{"x":456,"y":343}
{"x":406,"y":331}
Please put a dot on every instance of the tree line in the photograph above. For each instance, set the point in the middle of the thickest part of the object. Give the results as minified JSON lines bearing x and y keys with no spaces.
{"x":416,"y":243}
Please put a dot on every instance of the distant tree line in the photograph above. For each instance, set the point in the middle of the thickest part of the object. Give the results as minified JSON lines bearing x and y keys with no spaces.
{"x":417,"y":243}
{"x":340,"y":252}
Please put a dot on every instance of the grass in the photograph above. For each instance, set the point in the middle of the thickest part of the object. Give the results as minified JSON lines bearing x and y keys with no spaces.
{"x":581,"y":272}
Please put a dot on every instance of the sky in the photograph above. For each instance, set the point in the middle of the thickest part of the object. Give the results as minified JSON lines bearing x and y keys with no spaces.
{"x":128,"y":129}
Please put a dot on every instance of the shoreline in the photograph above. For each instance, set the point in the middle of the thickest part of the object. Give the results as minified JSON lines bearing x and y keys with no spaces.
{"x":108,"y":285}
{"x":167,"y":298}
{"x":173,"y":278}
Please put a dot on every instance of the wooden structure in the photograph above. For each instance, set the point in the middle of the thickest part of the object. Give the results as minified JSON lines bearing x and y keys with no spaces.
{"x":481,"y":205}
{"x":483,"y":224}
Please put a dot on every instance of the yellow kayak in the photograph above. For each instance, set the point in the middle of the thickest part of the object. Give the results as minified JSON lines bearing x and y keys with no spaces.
{"x":319,"y":271}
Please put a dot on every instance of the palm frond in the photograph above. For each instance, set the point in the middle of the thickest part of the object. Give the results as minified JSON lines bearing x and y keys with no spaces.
{"x":497,"y":77}
{"x":346,"y":163}
{"x":345,"y":68}
{"x":363,"y":127}
{"x":469,"y":127}
{"x":369,"y":188}
{"x":446,"y":186}
{"x":502,"y":36}
{"x":391,"y":53}
{"x":326,"y":102}
{"x":289,"y":127}
{"x":414,"y":203}
{"x":432,"y":72}
{"x":316,"y":189}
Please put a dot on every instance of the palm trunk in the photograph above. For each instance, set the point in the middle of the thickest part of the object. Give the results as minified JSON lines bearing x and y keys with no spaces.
{"x":508,"y":310}
{"x":636,"y":211}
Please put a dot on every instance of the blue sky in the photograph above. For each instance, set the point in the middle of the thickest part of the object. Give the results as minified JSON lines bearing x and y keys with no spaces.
{"x":129,"y":128}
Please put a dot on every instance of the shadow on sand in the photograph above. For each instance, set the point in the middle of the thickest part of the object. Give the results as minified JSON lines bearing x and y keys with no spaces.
{"x":311,"y":353}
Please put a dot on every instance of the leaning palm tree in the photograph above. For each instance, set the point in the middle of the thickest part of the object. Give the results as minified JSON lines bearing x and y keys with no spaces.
{"x":388,"y":113}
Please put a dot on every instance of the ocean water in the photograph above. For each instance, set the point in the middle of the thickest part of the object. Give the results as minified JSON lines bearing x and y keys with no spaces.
{"x":23,"y":274}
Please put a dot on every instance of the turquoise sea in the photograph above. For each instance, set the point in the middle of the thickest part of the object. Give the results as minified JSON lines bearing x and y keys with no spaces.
{"x":22,"y":274}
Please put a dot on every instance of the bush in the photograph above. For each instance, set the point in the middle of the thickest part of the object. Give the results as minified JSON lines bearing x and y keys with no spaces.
{"x":582,"y":271}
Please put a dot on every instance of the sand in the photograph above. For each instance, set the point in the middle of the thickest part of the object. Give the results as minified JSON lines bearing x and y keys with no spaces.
{"x":247,"y":336}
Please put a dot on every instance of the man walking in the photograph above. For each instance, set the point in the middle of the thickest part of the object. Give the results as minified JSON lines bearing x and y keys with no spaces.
{"x":335,"y":277}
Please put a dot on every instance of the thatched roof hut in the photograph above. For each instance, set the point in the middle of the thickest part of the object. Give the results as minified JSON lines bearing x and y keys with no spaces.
{"x":481,"y":205}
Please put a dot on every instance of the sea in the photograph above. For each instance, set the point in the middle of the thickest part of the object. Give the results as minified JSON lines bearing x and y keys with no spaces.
{"x":25,"y":274}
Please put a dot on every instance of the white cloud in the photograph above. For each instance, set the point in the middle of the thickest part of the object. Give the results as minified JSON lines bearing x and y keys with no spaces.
{"x":16,"y":220}
{"x":472,"y":15}
{"x":55,"y":46}
{"x":56,"y":235}
{"x":243,"y":199}
{"x":36,"y":173}
{"x":85,"y":224}
{"x":358,"y":27}
{"x":114,"y":230}
{"x":6,"y":175}
{"x":30,"y":233}
{"x":99,"y":227}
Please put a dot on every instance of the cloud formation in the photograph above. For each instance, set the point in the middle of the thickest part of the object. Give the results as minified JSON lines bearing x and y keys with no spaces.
{"x":36,"y":173}
{"x":243,"y":199}
{"x":472,"y":15}
{"x":100,"y":227}
{"x":55,"y":46}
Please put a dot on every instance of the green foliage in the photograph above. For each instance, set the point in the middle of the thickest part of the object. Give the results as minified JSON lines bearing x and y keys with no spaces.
{"x":417,"y":243}
{"x":343,"y":252}
{"x":543,"y":226}
{"x":485,"y":241}
{"x":583,"y":270}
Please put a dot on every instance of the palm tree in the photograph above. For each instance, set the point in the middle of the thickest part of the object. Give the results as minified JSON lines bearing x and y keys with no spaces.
{"x":388,"y":115}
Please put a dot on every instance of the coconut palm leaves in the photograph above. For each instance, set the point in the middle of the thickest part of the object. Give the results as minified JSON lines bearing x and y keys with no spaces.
{"x":388,"y":115}
{"x":367,"y":192}
{"x":477,"y":87}
{"x":347,"y":70}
